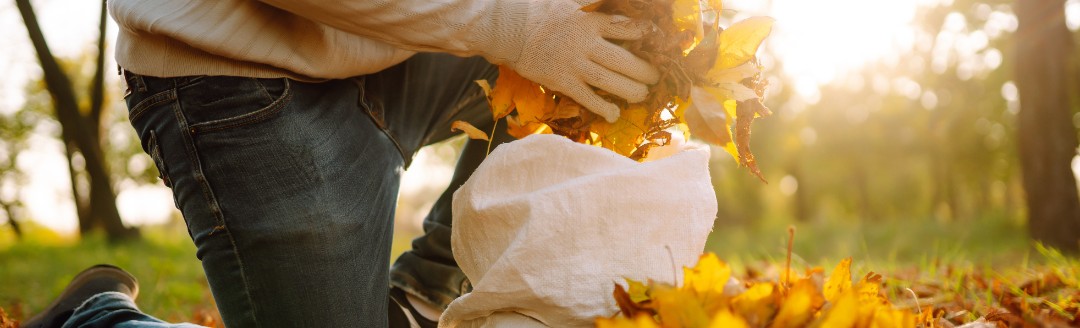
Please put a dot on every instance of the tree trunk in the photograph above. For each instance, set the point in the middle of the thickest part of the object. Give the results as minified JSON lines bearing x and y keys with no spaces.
{"x":74,"y":127}
{"x":86,"y":222}
{"x":102,"y":200}
{"x":1047,"y":139}
{"x":9,"y":210}
{"x":97,"y":88}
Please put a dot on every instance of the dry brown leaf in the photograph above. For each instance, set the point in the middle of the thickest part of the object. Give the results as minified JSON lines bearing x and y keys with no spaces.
{"x":469,"y":130}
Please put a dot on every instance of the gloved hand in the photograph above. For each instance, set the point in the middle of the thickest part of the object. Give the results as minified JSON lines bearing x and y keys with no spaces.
{"x":554,"y":43}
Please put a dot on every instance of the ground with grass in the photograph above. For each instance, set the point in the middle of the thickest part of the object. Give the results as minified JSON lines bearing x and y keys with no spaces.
{"x":172,"y":284}
{"x":961,"y":270}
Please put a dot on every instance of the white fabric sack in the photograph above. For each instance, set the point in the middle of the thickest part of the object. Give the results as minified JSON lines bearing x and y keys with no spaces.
{"x":545,"y":226}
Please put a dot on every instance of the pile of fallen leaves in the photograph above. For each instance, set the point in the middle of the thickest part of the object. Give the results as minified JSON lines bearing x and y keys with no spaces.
{"x":6,"y":322}
{"x":699,"y":62}
{"x":1048,"y":297}
{"x":708,"y":298}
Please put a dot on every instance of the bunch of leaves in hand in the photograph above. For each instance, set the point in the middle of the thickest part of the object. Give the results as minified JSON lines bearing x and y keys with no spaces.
{"x":699,"y":61}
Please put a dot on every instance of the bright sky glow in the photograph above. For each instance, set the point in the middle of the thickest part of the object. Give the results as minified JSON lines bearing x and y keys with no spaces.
{"x":815,"y":42}
{"x":820,"y":39}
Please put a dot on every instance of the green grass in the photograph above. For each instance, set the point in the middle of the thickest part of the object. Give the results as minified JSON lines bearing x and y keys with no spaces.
{"x":171,"y":280}
{"x":881,"y":246}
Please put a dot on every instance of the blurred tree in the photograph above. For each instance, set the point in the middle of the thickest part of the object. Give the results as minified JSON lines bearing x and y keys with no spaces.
{"x":922,"y":132}
{"x":1047,"y":138}
{"x":81,"y":133}
{"x":14,"y":131}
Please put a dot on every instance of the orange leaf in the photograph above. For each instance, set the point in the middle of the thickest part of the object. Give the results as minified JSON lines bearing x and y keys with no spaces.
{"x":515,"y":92}
{"x":469,"y":130}
{"x":519,"y":130}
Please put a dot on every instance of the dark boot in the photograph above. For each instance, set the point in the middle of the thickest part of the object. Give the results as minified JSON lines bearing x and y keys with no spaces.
{"x":95,"y":280}
{"x":403,"y":315}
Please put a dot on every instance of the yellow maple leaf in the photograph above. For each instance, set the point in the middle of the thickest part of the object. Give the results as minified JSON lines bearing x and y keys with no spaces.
{"x":869,"y":289}
{"x":678,"y":308}
{"x":687,"y":14}
{"x":639,"y":321}
{"x":802,"y":301}
{"x":626,"y":134}
{"x":757,"y":304}
{"x":726,"y":319}
{"x":637,"y":290}
{"x":708,"y":276}
{"x":871,"y":302}
{"x":839,"y":282}
{"x":726,"y":84}
{"x":843,"y":311}
{"x":740,"y":41}
{"x":707,"y":280}
{"x":893,"y":318}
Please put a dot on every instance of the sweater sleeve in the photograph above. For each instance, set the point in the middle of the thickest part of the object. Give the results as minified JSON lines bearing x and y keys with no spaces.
{"x":453,"y":26}
{"x":311,"y":38}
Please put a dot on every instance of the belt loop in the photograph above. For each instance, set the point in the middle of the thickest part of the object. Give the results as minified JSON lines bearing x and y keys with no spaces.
{"x":134,"y":81}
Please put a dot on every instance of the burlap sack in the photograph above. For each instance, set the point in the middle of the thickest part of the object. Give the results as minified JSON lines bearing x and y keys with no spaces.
{"x":545,"y":226}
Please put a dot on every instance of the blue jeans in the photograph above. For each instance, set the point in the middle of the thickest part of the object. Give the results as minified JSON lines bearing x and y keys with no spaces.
{"x":112,"y":309}
{"x":289,"y":188}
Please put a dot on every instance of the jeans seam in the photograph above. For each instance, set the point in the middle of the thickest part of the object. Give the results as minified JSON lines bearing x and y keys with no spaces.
{"x":263,"y":88}
{"x":150,"y":102}
{"x":159,"y":160}
{"x":188,"y":134}
{"x":369,"y":111}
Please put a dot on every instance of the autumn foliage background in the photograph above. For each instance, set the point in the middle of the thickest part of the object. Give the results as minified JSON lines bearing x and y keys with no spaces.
{"x":925,"y":165}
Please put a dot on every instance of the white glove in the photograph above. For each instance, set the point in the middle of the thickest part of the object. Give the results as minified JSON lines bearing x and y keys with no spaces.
{"x":554,"y":43}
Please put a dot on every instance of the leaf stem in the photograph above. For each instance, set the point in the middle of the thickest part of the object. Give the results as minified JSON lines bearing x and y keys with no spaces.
{"x":787,"y":264}
{"x":492,"y":138}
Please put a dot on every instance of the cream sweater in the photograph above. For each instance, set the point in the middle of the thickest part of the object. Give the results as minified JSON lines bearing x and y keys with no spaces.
{"x":303,"y":39}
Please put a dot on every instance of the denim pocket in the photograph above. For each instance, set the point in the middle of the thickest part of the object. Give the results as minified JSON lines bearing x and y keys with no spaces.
{"x":221,"y":102}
